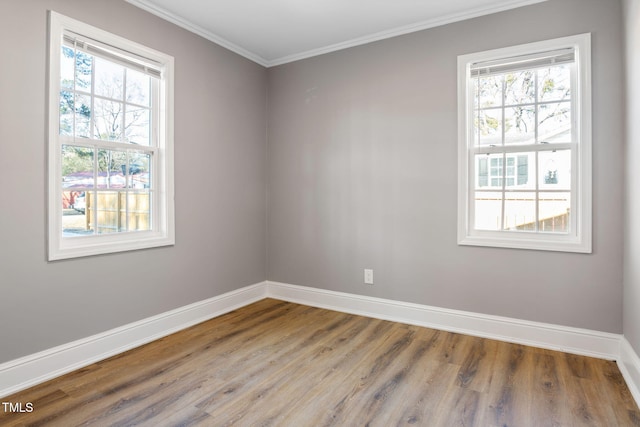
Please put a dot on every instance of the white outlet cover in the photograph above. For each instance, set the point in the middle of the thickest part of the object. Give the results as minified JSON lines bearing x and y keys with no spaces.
{"x":368,"y":276}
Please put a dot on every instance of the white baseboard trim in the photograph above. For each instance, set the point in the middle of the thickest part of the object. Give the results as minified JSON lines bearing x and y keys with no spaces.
{"x":629,"y":364}
{"x":30,"y":370}
{"x":571,"y":340}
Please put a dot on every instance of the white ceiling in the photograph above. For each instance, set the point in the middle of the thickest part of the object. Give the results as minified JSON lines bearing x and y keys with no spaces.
{"x":273,"y":32}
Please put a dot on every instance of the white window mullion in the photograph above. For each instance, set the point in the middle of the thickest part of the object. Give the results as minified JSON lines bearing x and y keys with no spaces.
{"x":94,"y":209}
{"x":537,"y":155}
{"x":504,"y":156}
{"x":156,"y":158}
{"x":127,"y":190}
{"x":127,"y":166}
{"x":124,"y":107}
{"x":92,"y":121}
{"x":523,"y":148}
{"x":473,"y":142}
{"x":105,"y":144}
{"x":503,"y":192}
{"x":73,"y":91}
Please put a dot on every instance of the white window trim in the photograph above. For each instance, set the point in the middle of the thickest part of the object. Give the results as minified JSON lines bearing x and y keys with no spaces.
{"x":580,"y":237}
{"x":163,"y":222}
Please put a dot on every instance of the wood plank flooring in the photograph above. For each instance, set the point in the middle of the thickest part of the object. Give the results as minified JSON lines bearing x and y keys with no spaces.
{"x":275,"y":363}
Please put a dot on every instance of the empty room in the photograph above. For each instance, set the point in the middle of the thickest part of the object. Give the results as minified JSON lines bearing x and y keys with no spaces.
{"x":320,"y":213}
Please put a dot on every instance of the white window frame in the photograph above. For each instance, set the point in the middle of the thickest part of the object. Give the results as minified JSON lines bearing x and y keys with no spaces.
{"x":579,"y":237}
{"x":162,"y":229}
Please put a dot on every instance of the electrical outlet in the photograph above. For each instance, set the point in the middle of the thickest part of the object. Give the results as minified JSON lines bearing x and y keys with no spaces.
{"x":368,"y":276}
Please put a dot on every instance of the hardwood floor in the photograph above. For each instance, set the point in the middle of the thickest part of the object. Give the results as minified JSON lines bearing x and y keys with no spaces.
{"x":275,"y":363}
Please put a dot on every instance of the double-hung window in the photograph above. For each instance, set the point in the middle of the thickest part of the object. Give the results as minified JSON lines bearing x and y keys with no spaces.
{"x":525,"y":146}
{"x":110,"y":143}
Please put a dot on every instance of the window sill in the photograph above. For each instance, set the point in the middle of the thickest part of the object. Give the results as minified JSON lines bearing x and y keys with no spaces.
{"x":97,"y":245}
{"x":539,"y":242}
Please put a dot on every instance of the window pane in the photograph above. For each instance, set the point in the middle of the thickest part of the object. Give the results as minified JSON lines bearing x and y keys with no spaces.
{"x":111,"y":166}
{"x":137,"y":125}
{"x":489,"y":91}
{"x":520,"y":88}
{"x":139,"y":170}
{"x":83,"y":116}
{"x":138,"y":88}
{"x":525,"y":170}
{"x":520,"y":211}
{"x":77,"y":175}
{"x":554,"y":212}
{"x":66,"y":112}
{"x":107,"y":211}
{"x":74,"y":217}
{"x":75,"y":111}
{"x":482,"y":171}
{"x":66,"y":68}
{"x":520,"y":125}
{"x":109,"y":79}
{"x":554,"y":122}
{"x":488,"y":127}
{"x":138,"y":212}
{"x":554,"y":83}
{"x":108,"y":120}
{"x":77,"y":167}
{"x":555,"y":170}
{"x":84,"y":64}
{"x":510,"y":172}
{"x":488,"y":210}
{"x":496,"y":170}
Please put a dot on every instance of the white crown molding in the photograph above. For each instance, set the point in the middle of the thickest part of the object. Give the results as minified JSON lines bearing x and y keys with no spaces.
{"x":36,"y":368}
{"x":196,"y":29}
{"x":406,"y":29}
{"x":394,"y":32}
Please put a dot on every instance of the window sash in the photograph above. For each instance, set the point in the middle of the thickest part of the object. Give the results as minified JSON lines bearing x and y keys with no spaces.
{"x":153,"y":107}
{"x":94,"y":192}
{"x":515,"y":65}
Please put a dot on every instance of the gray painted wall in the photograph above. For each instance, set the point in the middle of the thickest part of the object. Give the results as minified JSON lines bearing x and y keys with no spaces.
{"x":220,"y":120}
{"x":362,"y":158}
{"x":632,"y":189}
{"x":361,"y":173}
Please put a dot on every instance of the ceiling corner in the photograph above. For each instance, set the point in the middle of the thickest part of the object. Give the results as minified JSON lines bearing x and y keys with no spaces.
{"x":189,"y":26}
